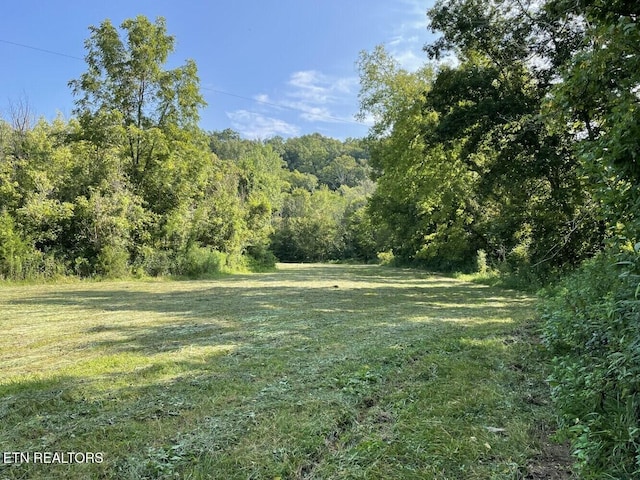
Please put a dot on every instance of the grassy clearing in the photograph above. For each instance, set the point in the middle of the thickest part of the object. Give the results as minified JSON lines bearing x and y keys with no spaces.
{"x":315,"y":371}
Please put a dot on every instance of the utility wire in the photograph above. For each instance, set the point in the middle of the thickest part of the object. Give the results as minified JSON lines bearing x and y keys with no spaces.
{"x":276,"y":105}
{"x":51,"y":52}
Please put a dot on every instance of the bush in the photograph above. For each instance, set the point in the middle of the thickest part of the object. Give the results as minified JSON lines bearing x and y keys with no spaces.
{"x":52,"y":267}
{"x":155,"y":263}
{"x":261,"y":259}
{"x":592,"y":327}
{"x":113,"y":262}
{"x":19,"y":259}
{"x":481,"y":262}
{"x":198,"y":261}
{"x":386,"y":258}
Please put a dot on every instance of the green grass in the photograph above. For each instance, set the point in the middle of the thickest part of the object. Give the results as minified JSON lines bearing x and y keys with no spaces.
{"x":314,"y":371}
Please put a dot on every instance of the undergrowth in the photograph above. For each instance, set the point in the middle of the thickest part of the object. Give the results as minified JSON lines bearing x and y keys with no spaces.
{"x":593,"y":330}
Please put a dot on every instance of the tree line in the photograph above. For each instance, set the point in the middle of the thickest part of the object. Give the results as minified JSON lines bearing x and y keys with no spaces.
{"x":132,"y":185}
{"x":205,"y":202}
{"x":517,"y":146}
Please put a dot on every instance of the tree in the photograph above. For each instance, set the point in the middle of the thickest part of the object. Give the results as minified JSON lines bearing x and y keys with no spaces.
{"x":597,"y":102}
{"x":126,"y":85}
{"x":310,"y":227}
{"x":310,"y":153}
{"x":423,"y":193}
{"x":343,"y":170}
{"x":511,"y":52}
{"x":142,"y":119}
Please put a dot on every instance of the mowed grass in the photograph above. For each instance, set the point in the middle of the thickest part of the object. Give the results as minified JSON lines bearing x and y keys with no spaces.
{"x":311,"y":372}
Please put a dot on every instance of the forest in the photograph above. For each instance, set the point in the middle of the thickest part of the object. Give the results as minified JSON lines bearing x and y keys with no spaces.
{"x":514,"y":152}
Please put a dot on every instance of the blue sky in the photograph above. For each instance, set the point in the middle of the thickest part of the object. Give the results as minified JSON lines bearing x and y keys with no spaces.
{"x":266,"y":67}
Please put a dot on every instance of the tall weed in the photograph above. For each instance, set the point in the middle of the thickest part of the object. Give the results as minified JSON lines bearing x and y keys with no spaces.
{"x":592,"y":327}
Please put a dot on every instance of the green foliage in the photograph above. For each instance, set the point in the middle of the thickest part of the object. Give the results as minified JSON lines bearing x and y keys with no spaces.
{"x":73,"y":204}
{"x":200,"y":261}
{"x":20,"y":260}
{"x":112,"y":262}
{"x":127,"y":76}
{"x":464,"y":157}
{"x":106,"y":228}
{"x":592,"y":319}
{"x":343,"y":170}
{"x":315,"y":213}
{"x":132,"y":185}
{"x":422,"y":200}
{"x":333,"y":162}
{"x":274,"y":208}
{"x":361,"y":235}
{"x":261,"y":259}
{"x":386,"y":258}
{"x":310,"y":227}
{"x":592,"y":329}
{"x":296,"y":179}
{"x":527,"y":150}
{"x":481,"y":262}
{"x":16,"y":255}
{"x":310,"y":153}
{"x":598,"y":102}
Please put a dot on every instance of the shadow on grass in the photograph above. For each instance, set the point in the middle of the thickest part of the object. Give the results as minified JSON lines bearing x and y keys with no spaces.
{"x":133,"y":427}
{"x":223,"y":356}
{"x":285,"y":309}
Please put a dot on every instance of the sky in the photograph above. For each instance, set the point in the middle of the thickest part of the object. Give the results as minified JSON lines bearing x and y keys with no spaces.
{"x":266,"y":67}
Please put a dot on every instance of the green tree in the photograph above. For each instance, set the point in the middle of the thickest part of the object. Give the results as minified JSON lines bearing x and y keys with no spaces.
{"x":591,"y":322}
{"x":310,"y":227}
{"x":343,"y":170}
{"x":530,"y":180}
{"x":295,"y":179}
{"x":423,"y":190}
{"x":126,"y":84}
{"x":228,"y":145}
{"x":261,"y":187}
{"x":310,"y":153}
{"x":142,"y":119}
{"x":597,"y":103}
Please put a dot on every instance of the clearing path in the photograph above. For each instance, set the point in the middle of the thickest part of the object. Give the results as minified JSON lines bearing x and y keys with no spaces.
{"x":313,"y":371}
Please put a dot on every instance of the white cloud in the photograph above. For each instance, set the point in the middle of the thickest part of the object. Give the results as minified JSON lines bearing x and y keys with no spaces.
{"x":262,"y":98}
{"x":316,"y":95}
{"x":317,"y":88}
{"x":257,"y":126}
{"x":308,"y":96}
{"x":410,"y":35}
{"x":409,"y":60}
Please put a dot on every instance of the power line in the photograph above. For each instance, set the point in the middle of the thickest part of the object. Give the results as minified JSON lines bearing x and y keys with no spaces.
{"x":51,"y":52}
{"x":276,"y":105}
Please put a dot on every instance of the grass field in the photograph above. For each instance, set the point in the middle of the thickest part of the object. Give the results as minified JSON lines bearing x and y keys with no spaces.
{"x":311,"y":372}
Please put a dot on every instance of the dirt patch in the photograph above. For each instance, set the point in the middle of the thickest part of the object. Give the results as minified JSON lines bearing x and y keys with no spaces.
{"x":553,"y":463}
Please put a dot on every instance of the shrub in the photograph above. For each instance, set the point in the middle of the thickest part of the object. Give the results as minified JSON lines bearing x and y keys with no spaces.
{"x":592,"y":327}
{"x":197,"y":261}
{"x":234,"y":263}
{"x":261,"y":258}
{"x":113,"y":262}
{"x":153,"y":262}
{"x":19,"y":260}
{"x":52,"y":267}
{"x":481,"y":262}
{"x":386,"y":258}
